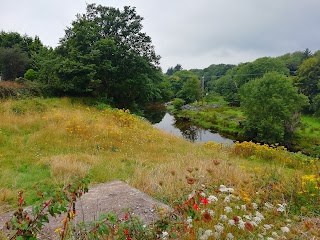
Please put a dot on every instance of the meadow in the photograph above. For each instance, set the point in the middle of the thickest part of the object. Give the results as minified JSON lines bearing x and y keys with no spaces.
{"x":49,"y":142}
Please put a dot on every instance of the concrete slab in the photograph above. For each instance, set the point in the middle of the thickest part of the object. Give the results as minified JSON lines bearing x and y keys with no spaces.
{"x":116,"y":197}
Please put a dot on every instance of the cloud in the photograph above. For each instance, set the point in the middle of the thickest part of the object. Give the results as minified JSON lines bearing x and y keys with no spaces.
{"x":192,"y":33}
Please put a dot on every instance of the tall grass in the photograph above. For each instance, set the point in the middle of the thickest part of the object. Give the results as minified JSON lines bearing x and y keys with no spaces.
{"x":50,"y":141}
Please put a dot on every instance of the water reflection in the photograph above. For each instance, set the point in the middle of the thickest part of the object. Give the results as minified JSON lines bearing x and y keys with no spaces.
{"x":155,"y":113}
{"x":184,"y":128}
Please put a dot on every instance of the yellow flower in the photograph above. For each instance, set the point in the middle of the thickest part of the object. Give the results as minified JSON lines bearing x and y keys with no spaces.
{"x":58,"y":230}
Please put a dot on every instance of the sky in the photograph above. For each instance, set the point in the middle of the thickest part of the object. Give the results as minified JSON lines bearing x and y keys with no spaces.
{"x":193,"y":33}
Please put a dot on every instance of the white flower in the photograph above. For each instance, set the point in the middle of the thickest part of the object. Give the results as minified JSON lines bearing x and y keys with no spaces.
{"x":212,"y":198}
{"x":219,"y":227}
{"x":228,"y":209}
{"x":270,"y":238}
{"x":241,"y":224}
{"x":257,"y":220}
{"x":248,"y":217}
{"x":267,"y":226}
{"x":243,"y":207}
{"x":223,"y":218}
{"x":259,"y":215}
{"x":229,"y":236}
{"x":208,"y":232}
{"x":237,"y":207}
{"x":275,"y":234}
{"x":202,"y":194}
{"x":260,"y":236}
{"x":232,"y":222}
{"x":281,"y":207}
{"x":253,"y":223}
{"x":211,"y":212}
{"x":285,"y":229}
{"x":254,"y":205}
{"x":227,"y":199}
{"x":268,"y":205}
{"x":165,"y":234}
{"x":223,"y":188}
{"x":189,"y":219}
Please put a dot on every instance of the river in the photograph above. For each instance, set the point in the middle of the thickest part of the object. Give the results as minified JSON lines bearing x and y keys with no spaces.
{"x":184,"y":128}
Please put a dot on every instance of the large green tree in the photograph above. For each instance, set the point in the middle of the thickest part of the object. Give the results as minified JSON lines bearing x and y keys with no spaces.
{"x":106,"y":53}
{"x":13,"y":63}
{"x":271,"y":105}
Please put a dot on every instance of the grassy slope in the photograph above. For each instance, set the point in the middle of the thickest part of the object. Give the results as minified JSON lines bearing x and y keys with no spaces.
{"x":50,"y":141}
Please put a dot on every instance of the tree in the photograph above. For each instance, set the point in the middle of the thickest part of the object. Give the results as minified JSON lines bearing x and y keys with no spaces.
{"x":308,"y":77}
{"x":271,"y":105}
{"x":172,"y":70}
{"x":105,"y":53}
{"x":13,"y":63}
{"x":191,"y":90}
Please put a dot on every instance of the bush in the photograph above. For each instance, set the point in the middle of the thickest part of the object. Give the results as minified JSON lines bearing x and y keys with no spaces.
{"x":178,"y":103}
{"x":30,"y":74}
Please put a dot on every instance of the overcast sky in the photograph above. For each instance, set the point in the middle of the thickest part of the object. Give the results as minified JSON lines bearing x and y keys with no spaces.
{"x":193,"y":33}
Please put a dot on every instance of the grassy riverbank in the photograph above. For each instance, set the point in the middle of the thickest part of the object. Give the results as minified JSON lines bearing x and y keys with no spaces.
{"x":45,"y":142}
{"x":227,"y":121}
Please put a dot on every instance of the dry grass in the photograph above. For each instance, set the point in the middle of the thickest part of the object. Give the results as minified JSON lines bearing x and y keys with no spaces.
{"x":49,"y":141}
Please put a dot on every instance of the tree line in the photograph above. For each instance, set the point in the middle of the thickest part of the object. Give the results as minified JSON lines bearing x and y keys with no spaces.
{"x":272,"y":92}
{"x":104,"y":54}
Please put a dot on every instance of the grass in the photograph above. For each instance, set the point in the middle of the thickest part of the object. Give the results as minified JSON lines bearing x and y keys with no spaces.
{"x":45,"y":142}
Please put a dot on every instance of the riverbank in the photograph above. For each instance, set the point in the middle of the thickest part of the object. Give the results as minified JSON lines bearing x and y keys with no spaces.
{"x":226,"y":120}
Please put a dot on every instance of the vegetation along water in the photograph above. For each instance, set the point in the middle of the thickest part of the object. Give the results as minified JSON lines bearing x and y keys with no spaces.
{"x":79,"y":110}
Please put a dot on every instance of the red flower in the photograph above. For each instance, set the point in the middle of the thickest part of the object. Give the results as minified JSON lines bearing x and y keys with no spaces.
{"x":126,"y":232}
{"x":204,"y":201}
{"x":195,"y":207}
{"x":126,"y":217}
{"x":20,"y":200}
{"x":248,"y":226}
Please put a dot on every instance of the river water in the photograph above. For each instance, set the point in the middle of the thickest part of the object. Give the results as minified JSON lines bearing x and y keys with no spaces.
{"x":184,"y":128}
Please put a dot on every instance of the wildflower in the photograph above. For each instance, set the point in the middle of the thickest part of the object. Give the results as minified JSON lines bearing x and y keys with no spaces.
{"x":223,"y":218}
{"x":259,"y":215}
{"x":126,"y":217}
{"x":248,"y":217}
{"x":237,"y":207}
{"x":204,"y":201}
{"x":211,"y":212}
{"x":285,"y":229}
{"x":243,"y":207}
{"x":223,"y":188}
{"x":189,"y":219}
{"x":267,"y":226}
{"x":206,"y":217}
{"x":254,"y":205}
{"x":212,"y":198}
{"x":165,"y":234}
{"x":228,"y":209}
{"x":202,"y":194}
{"x":257,"y":220}
{"x":254,"y":223}
{"x":227,"y":199}
{"x":275,"y":234}
{"x":260,"y":236}
{"x":231,"y":222}
{"x":268,"y":205}
{"x":219,"y":227}
{"x":248,"y":226}
{"x":195,"y":207}
{"x":281,"y":207}
{"x":241,"y":224}
{"x":270,"y":238}
{"x":229,"y":236}
{"x":57,"y":230}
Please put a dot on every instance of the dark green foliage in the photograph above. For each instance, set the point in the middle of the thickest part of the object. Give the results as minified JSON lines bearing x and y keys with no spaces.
{"x":190,"y":91}
{"x":271,"y":105}
{"x":292,"y":61}
{"x":13,"y":63}
{"x":229,"y":85}
{"x":316,"y":105}
{"x":172,"y":70}
{"x":105,"y":53}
